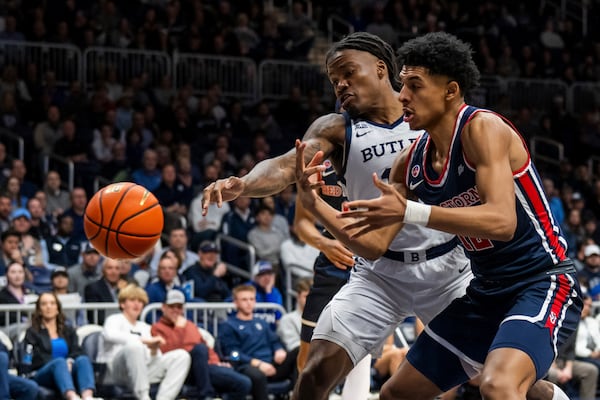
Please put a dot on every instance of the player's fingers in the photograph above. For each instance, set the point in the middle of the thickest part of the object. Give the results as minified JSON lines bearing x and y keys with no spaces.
{"x":381,"y":185}
{"x":300,"y":146}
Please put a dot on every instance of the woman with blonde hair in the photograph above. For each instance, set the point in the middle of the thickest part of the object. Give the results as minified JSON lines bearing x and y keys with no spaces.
{"x":133,"y":355}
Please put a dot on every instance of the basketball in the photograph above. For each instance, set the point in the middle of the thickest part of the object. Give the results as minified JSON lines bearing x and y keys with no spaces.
{"x":123,"y":220}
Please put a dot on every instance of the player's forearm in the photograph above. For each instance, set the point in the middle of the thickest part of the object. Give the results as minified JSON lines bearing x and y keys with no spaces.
{"x":483,"y":221}
{"x":370,"y":246}
{"x":270,"y":176}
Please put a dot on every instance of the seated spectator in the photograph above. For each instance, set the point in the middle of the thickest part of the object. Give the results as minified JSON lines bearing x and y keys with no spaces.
{"x":33,"y":251}
{"x":264,"y":237}
{"x":19,"y":170}
{"x":76,"y":211}
{"x":63,"y":249}
{"x":589,"y":276}
{"x":40,"y":228}
{"x":297,"y":256}
{"x":60,"y":287}
{"x":148,"y":175}
{"x":567,"y":369}
{"x":207,"y":274}
{"x":133,"y":354}
{"x":587,"y":345}
{"x":207,"y":372}
{"x":12,"y":386}
{"x":16,"y":291}
{"x":57,"y":356}
{"x":178,"y":241}
{"x":263,"y":280}
{"x":5,"y":210}
{"x":87,"y":271}
{"x":57,"y":199}
{"x":12,"y":188}
{"x":167,"y":280}
{"x":237,"y":223}
{"x":11,"y":241}
{"x":104,"y":290}
{"x":290,"y":324}
{"x":172,"y":194}
{"x":249,"y":339}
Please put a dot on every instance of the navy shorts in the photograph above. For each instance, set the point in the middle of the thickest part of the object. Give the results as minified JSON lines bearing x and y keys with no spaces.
{"x":535,"y":315}
{"x":328,"y":280}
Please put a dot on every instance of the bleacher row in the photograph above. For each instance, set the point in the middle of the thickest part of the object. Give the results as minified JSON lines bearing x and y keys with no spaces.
{"x":206,"y":316}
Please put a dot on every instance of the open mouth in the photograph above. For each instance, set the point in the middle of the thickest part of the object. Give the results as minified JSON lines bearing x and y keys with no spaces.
{"x":408,"y":115}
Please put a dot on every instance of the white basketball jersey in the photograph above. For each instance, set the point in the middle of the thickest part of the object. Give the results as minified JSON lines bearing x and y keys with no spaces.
{"x":371,"y":147}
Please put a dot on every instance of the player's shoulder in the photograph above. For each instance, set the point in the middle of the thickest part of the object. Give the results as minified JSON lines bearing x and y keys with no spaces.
{"x":327,"y":126}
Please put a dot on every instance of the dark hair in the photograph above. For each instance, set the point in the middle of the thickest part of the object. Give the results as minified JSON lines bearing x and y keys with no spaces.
{"x":363,"y":41}
{"x":9,"y":232}
{"x":36,"y":318}
{"x":442,"y":54}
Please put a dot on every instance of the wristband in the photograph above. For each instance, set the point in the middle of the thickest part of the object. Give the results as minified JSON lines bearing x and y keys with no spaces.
{"x":416,"y":213}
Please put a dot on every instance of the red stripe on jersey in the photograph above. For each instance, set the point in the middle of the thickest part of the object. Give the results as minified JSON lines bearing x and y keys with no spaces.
{"x":560,"y":298}
{"x":543,"y":214}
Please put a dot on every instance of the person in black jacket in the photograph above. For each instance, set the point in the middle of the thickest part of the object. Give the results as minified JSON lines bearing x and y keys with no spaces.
{"x":104,"y":290}
{"x":207,"y":274}
{"x":16,"y":291}
{"x":57,"y":356}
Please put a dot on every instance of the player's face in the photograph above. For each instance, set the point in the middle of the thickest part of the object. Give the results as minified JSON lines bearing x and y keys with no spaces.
{"x":355,"y":76}
{"x":423,"y":96}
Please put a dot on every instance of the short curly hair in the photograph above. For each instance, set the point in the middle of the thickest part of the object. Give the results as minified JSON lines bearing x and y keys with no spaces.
{"x":367,"y":42}
{"x":442,"y":54}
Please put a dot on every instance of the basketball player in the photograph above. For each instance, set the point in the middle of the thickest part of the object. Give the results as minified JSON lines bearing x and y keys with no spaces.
{"x":378,"y":296}
{"x":423,"y":269}
{"x":475,"y":175}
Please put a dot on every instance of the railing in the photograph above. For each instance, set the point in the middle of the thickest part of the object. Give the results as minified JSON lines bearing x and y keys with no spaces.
{"x":63,"y":164}
{"x":251,"y":258}
{"x":276,"y":78}
{"x":63,"y":59}
{"x":535,"y":93}
{"x":128,"y":63}
{"x":237,"y":76}
{"x":13,"y":140}
{"x":290,"y":293}
{"x":210,"y":313}
{"x":546,"y":150}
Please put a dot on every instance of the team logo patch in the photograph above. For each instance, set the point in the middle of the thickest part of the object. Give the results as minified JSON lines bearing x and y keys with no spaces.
{"x":553,"y":318}
{"x":415,"y":171}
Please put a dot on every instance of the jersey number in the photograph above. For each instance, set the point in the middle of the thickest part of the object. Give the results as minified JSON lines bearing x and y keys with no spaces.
{"x":476,"y":244}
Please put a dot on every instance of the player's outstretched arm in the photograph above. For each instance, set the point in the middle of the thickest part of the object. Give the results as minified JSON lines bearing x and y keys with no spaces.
{"x":271,"y":176}
{"x":367,"y":246}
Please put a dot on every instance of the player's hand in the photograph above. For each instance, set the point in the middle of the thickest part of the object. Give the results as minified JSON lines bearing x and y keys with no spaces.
{"x":337,"y":253}
{"x":376,"y":213}
{"x":279,"y":356}
{"x":221,"y":190}
{"x":307,"y":175}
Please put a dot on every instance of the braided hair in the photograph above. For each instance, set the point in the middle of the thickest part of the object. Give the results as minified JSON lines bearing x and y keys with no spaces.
{"x":364,"y":41}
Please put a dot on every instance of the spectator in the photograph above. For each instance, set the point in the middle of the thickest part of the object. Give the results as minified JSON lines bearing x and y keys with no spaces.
{"x":60,"y":287}
{"x":60,"y":281}
{"x":297,"y":256}
{"x":57,"y":356}
{"x":263,"y":280}
{"x":40,"y":227}
{"x":57,"y":199}
{"x":11,"y":241}
{"x":5,"y":210}
{"x":573,"y":231}
{"x":167,"y":280}
{"x":208,"y":273}
{"x":62,"y":248}
{"x":12,"y":188}
{"x":177,"y":243}
{"x":16,"y":291}
{"x":208,"y":373}
{"x":587,"y":345}
{"x":133,"y":354}
{"x":566,"y":369}
{"x":237,"y":223}
{"x":148,"y":175}
{"x":261,"y":354}
{"x":33,"y":251}
{"x":104,"y":290}
{"x":12,"y":386}
{"x":589,"y":276}
{"x":76,"y":211}
{"x":280,"y":223}
{"x":265,"y":238}
{"x":87,"y":271}
{"x":19,"y":170}
{"x":290,"y":324}
{"x":172,"y":194}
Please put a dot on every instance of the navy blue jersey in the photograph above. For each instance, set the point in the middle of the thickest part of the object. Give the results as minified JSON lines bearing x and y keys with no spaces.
{"x":537,"y":245}
{"x":331,"y":191}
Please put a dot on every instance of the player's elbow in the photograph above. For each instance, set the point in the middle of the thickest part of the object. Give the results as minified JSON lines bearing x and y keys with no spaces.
{"x":504,"y":229}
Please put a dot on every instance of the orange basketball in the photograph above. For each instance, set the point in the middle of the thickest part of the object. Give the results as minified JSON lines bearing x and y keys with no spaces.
{"x":123,"y":220}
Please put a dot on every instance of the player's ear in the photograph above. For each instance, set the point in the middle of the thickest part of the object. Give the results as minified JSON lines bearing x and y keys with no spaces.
{"x":381,"y":69}
{"x":452,"y":90}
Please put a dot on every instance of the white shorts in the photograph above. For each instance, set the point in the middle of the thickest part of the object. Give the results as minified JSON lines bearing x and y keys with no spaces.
{"x":380,"y":295}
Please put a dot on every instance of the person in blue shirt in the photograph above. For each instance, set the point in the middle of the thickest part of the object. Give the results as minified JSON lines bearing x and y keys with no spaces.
{"x":57,"y":356}
{"x":167,"y":279}
{"x":254,"y":348}
{"x":263,"y":280}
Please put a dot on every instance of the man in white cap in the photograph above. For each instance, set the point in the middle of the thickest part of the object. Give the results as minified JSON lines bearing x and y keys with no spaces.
{"x":208,"y":373}
{"x":589,"y":276}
